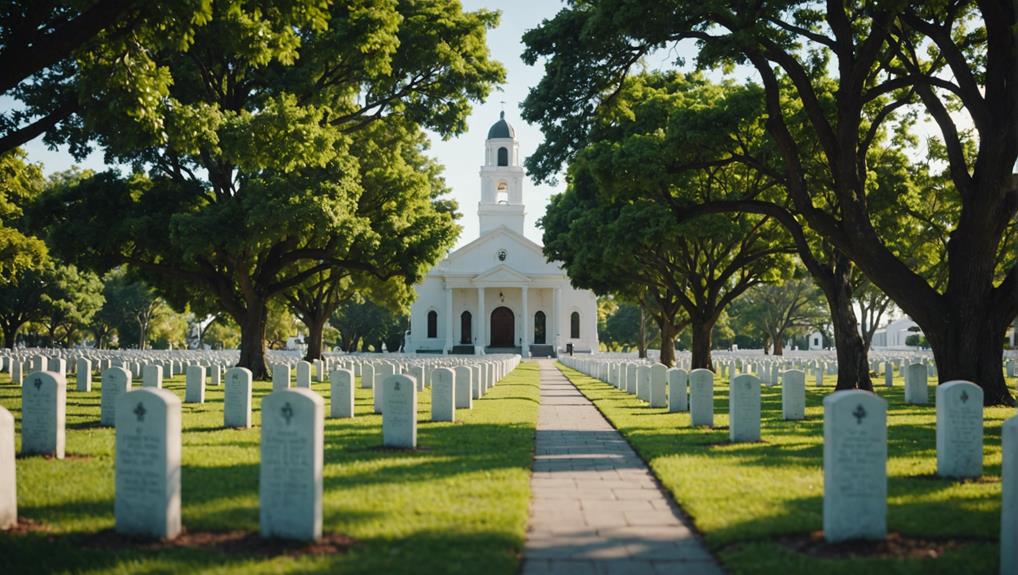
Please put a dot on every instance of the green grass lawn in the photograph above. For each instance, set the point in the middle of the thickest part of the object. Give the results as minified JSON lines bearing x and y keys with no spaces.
{"x":458,"y":504}
{"x":742,"y":496}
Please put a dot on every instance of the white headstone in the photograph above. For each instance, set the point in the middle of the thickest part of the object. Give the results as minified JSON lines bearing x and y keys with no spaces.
{"x":194,"y":391}
{"x":304,"y":374}
{"x":793,"y":395}
{"x":463,"y":398}
{"x":8,"y":485}
{"x":152,"y":376}
{"x":237,"y":398}
{"x":83,"y":374}
{"x":701,"y":397}
{"x":744,"y":409}
{"x":280,"y":377}
{"x":658,"y":380}
{"x":443,"y":395}
{"x":959,"y":429}
{"x":678,"y":398}
{"x":147,"y":496}
{"x":855,"y":466}
{"x":643,"y":383}
{"x":341,"y":393}
{"x":367,"y":376}
{"x":43,"y":414}
{"x":115,"y":382}
{"x":916,"y":390}
{"x":399,"y":415}
{"x":290,"y":486}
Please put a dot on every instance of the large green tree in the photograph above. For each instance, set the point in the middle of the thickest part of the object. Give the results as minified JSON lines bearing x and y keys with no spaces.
{"x":255,"y":182}
{"x":885,"y":58}
{"x":20,"y":184}
{"x":781,"y":309}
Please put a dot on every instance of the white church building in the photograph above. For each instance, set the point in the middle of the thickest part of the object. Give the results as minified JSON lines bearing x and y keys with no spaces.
{"x":498,"y":293}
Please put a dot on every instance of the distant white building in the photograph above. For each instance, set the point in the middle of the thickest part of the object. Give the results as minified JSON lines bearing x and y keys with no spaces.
{"x":816,"y":341}
{"x":498,"y":293}
{"x":895,"y":334}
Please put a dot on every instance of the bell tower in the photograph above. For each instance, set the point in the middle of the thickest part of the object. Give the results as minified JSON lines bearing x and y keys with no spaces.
{"x":501,"y":180}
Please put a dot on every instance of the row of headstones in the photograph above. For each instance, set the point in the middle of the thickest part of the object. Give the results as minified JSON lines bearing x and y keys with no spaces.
{"x":148,"y":442}
{"x":855,"y":436}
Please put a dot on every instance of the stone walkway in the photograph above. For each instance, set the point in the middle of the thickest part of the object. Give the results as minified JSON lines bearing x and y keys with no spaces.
{"x":596,"y":508}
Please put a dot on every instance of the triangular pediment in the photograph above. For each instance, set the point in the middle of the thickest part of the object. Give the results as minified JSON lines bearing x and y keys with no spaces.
{"x":502,"y":236}
{"x":501,"y":275}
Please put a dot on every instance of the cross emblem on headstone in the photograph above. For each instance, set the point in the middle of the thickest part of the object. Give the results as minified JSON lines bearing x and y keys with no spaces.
{"x":964,"y":396}
{"x":397,"y":385}
{"x":287,"y":412}
{"x":37,"y":383}
{"x":859,"y":414}
{"x":139,"y":411}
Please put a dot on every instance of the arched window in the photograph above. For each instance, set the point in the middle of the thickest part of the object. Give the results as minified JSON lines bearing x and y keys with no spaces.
{"x":503,"y":156}
{"x":502,"y":193}
{"x":574,"y":325}
{"x":432,"y":324}
{"x":465,"y":321}
{"x":539,"y":331}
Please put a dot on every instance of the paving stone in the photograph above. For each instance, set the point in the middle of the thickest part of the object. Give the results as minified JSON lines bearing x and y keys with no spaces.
{"x":596,"y":508}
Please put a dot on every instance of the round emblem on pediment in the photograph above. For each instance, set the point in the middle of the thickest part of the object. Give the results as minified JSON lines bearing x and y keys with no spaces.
{"x":502,"y":254}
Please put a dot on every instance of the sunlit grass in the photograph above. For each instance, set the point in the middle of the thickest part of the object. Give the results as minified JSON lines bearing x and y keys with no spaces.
{"x":458,"y":504}
{"x":741,"y":496}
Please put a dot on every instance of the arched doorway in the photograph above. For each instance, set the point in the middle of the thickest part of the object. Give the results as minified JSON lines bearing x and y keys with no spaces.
{"x":539,"y":328}
{"x":503,"y":327}
{"x":465,"y":337}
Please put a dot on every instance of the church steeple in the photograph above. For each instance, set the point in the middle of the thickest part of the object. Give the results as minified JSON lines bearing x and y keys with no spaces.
{"x":501,"y":180}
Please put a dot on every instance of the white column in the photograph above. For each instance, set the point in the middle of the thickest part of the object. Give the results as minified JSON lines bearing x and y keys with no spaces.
{"x":482,"y":326}
{"x":556,"y":332}
{"x":449,"y":342}
{"x":526,"y":321}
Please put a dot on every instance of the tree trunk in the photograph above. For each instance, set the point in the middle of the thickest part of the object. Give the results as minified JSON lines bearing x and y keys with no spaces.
{"x":969,"y":347}
{"x":316,"y":327}
{"x":779,"y":346}
{"x":668,"y":333}
{"x":701,"y":344}
{"x":10,"y":335}
{"x":641,"y":343}
{"x":853,"y":361}
{"x":252,"y":338}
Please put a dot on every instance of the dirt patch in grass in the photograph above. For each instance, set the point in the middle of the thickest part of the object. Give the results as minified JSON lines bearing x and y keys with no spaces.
{"x":231,"y":542}
{"x":896,"y":545}
{"x":25,"y":526}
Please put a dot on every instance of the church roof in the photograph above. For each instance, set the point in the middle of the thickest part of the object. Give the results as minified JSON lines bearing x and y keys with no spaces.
{"x":501,"y":128}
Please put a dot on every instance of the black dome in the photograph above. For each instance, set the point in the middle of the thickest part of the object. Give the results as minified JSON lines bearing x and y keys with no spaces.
{"x":501,"y":128}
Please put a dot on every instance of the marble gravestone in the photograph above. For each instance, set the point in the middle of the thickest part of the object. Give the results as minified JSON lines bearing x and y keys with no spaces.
{"x":304,"y":374}
{"x":237,"y":398}
{"x":152,"y":376}
{"x":341,"y":393}
{"x":115,"y":382}
{"x":916,"y":390}
{"x":855,"y":466}
{"x":744,"y":409}
{"x":399,"y":414}
{"x":292,"y":458}
{"x":1009,"y":497}
{"x":658,"y":381}
{"x":678,"y":398}
{"x":215,"y":376}
{"x":148,"y":456}
{"x":701,"y":397}
{"x":8,"y":477}
{"x":888,"y":374}
{"x":43,"y":414}
{"x":793,"y":395}
{"x":443,"y":395}
{"x":194,"y":391}
{"x":367,"y":376}
{"x":463,"y":398}
{"x":280,"y":377}
{"x":83,"y":374}
{"x":643,"y":383}
{"x":959,"y":429}
{"x":476,"y":386}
